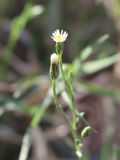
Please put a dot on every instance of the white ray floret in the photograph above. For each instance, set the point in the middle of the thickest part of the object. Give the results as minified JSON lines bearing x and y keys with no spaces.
{"x":58,"y":36}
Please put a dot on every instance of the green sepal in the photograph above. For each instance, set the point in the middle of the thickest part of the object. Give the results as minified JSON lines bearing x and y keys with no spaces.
{"x":54,"y":71}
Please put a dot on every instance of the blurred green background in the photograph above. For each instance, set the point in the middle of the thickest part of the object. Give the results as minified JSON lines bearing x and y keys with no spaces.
{"x":30,"y":126}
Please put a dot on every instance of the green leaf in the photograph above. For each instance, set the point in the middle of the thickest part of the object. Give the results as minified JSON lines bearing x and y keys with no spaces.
{"x":99,"y":90}
{"x":98,"y":65}
{"x":85,"y":53}
{"x":19,"y":24}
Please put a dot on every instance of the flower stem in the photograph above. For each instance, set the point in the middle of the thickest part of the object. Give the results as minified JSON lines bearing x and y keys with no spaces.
{"x":73,"y":106}
{"x":58,"y":104}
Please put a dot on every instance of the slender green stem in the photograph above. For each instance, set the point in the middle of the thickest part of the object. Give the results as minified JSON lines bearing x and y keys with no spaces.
{"x":73,"y":106}
{"x":58,"y":104}
{"x":69,"y":90}
{"x":71,"y":98}
{"x":25,"y":145}
{"x":74,"y":133}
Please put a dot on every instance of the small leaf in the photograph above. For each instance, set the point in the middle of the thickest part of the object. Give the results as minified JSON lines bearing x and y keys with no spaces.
{"x":85,"y":53}
{"x":86,"y":131}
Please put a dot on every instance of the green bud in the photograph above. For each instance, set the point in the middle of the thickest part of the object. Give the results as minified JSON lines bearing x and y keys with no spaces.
{"x":59,"y":48}
{"x":85,"y":132}
{"x":54,"y":66}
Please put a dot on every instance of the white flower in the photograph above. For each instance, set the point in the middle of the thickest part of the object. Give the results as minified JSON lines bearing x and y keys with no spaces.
{"x":58,"y":36}
{"x":79,"y":154}
{"x":54,"y":59}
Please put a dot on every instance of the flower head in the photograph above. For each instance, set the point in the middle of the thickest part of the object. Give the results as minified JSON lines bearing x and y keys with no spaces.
{"x":58,"y":36}
{"x":54,"y":59}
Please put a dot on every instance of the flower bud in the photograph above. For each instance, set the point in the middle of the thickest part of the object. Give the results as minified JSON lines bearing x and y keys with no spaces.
{"x":86,"y":131}
{"x":54,"y":66}
{"x":79,"y":154}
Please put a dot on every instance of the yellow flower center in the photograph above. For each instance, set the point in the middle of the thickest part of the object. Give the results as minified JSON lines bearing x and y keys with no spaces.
{"x":59,"y":38}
